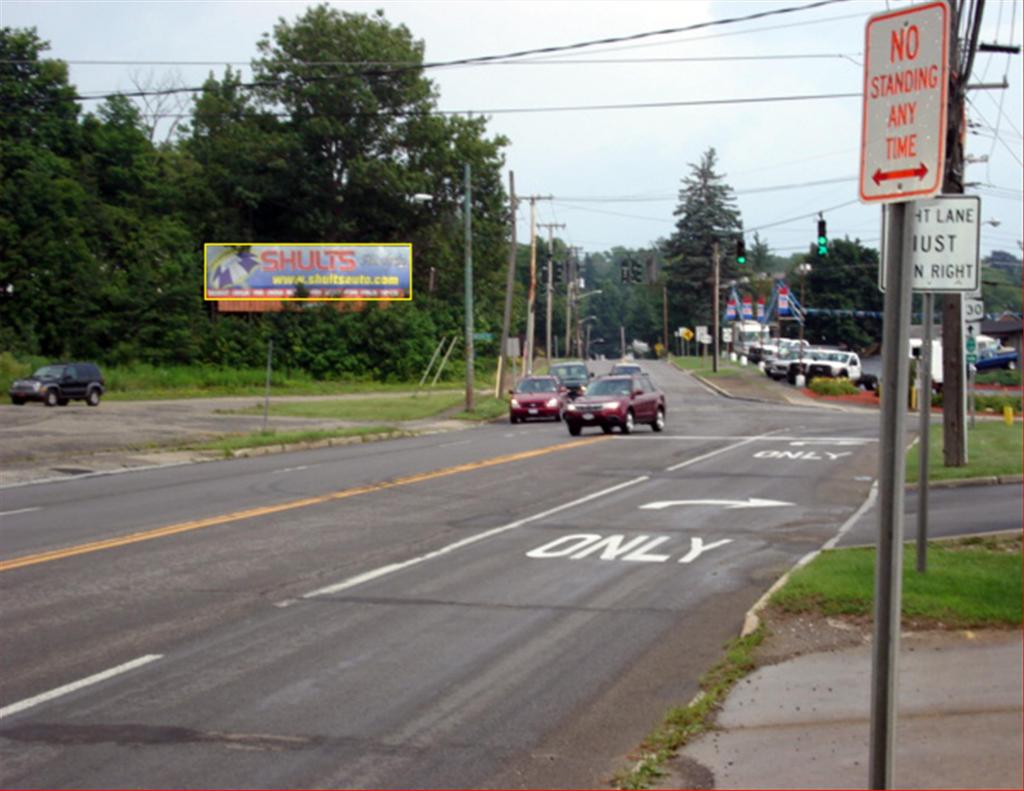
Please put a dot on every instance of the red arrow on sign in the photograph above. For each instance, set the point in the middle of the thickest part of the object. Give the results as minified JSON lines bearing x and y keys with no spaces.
{"x":920,"y":171}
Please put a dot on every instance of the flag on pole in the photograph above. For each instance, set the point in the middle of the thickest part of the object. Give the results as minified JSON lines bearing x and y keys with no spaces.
{"x":748,"y":308}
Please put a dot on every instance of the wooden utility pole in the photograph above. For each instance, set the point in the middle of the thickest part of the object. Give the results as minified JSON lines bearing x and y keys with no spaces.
{"x":549,"y":291}
{"x":571,"y":287}
{"x":954,"y":430}
{"x":664,"y":317}
{"x":468,"y":231}
{"x":716,"y":264}
{"x":505,"y":379}
{"x":531,"y":301}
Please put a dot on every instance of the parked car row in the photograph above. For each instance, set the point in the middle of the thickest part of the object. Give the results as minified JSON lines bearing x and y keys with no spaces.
{"x":623,"y":399}
{"x":813,"y":362}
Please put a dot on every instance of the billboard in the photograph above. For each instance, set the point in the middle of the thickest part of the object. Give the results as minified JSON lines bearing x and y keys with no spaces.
{"x":298,"y":271}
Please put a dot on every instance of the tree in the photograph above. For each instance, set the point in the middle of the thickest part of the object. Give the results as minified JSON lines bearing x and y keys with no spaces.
{"x":845,"y":280}
{"x":707,"y":213}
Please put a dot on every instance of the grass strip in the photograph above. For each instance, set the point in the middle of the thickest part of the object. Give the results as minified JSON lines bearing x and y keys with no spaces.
{"x":683,"y":723}
{"x":261,"y":439}
{"x":486,"y":408}
{"x":371,"y":409}
{"x":970,"y":583}
{"x":993,"y":448}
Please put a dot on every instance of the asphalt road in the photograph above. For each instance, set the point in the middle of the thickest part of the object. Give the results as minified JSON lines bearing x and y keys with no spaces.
{"x":499,"y":607}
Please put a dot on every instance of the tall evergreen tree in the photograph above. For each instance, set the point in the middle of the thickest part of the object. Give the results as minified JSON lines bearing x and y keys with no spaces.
{"x":706,"y":212}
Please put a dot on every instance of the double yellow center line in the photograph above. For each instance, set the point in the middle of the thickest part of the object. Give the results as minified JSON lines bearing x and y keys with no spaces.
{"x":251,"y":513}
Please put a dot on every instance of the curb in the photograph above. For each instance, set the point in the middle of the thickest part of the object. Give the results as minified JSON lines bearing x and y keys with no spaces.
{"x":726,"y":394}
{"x":957,"y":483}
{"x":330,"y":442}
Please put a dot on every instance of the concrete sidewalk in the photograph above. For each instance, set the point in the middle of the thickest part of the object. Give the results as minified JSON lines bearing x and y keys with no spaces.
{"x":804,"y":721}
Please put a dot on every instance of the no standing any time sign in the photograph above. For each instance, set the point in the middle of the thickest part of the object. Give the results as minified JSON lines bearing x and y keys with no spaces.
{"x":905,"y":86}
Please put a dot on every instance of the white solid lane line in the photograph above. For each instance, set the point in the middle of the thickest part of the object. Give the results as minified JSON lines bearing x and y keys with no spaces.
{"x":19,"y":511}
{"x":28,"y":703}
{"x":359,"y":579}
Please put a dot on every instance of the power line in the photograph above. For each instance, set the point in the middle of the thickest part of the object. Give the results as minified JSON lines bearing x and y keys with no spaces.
{"x":397,"y":64}
{"x":549,"y":109}
{"x":503,"y":57}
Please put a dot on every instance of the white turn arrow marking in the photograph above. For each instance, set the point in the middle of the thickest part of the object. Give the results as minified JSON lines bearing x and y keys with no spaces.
{"x":750,"y":502}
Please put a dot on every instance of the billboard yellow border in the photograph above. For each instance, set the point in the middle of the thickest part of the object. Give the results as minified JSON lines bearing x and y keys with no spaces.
{"x":207,"y":298}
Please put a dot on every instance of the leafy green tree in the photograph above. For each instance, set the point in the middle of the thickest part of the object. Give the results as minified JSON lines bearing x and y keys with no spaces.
{"x":845,"y":280}
{"x":706,"y":213}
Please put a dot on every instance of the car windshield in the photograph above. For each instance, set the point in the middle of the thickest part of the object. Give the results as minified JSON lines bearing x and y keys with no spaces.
{"x":605,"y":387}
{"x":626,"y":369}
{"x":49,"y":372}
{"x":538,"y":386}
{"x":569,"y":371}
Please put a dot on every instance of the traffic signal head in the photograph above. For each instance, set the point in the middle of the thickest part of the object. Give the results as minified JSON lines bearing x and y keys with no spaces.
{"x":624,"y":272}
{"x":638,"y":271}
{"x":556,"y":273}
{"x":822,"y":238}
{"x":741,"y":251}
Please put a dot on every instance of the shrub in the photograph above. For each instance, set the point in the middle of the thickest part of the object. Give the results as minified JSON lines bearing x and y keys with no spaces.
{"x":833,"y":387}
{"x":1001,"y":377}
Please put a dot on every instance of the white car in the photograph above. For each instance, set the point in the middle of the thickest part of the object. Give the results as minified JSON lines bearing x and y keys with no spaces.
{"x":836,"y":364}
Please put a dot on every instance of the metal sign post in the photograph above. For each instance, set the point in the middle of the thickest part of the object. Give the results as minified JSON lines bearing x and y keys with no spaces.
{"x":902,"y":158}
{"x":925,"y":433}
{"x":891,"y":476}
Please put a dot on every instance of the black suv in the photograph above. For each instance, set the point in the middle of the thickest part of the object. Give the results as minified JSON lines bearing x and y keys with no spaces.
{"x":59,"y":383}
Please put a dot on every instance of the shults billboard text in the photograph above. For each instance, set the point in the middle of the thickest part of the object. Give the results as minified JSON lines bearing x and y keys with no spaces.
{"x":308,"y":271}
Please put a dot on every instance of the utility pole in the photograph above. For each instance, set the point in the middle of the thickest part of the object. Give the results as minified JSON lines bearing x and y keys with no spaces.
{"x":467,"y":214}
{"x":664,"y":317}
{"x":954,"y":430}
{"x":505,"y":379}
{"x":531,"y":302}
{"x":716,"y":262}
{"x":550,"y":284}
{"x":571,"y":285}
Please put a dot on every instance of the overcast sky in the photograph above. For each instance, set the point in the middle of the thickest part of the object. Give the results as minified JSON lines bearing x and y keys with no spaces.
{"x":615,"y":173}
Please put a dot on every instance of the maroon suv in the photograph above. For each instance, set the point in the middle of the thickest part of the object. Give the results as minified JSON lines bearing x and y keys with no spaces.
{"x":535,"y":398}
{"x":621,"y":401}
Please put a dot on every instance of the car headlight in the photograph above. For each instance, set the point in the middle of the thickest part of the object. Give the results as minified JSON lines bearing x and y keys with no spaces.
{"x":610,"y":405}
{"x":552,"y":402}
{"x":515,"y":403}
{"x":35,"y":386}
{"x":571,"y":408}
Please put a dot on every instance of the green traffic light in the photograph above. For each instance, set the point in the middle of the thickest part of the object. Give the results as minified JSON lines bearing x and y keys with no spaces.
{"x":741,"y":260}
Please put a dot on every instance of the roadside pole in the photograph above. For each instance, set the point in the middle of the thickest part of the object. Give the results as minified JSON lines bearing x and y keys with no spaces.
{"x":266,"y":395}
{"x":891,"y":477}
{"x":550,"y":286}
{"x":714,"y":309}
{"x":532,"y":297}
{"x":902,"y":159}
{"x":925,"y":432}
{"x":505,"y":380}
{"x":468,"y":229}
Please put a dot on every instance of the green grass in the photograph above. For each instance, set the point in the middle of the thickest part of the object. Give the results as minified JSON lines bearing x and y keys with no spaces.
{"x":683,"y":723}
{"x":487,"y":408}
{"x":262,"y":439}
{"x":702,"y":366}
{"x":1000,"y":377}
{"x":375,"y":409}
{"x":141,"y":381}
{"x":993,"y":448}
{"x":973,"y":583}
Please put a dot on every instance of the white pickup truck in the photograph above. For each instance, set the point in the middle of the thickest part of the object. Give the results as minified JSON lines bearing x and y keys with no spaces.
{"x":836,"y":364}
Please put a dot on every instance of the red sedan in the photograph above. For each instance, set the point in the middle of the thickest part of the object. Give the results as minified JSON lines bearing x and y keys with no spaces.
{"x":535,"y":398}
{"x":622,"y":401}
